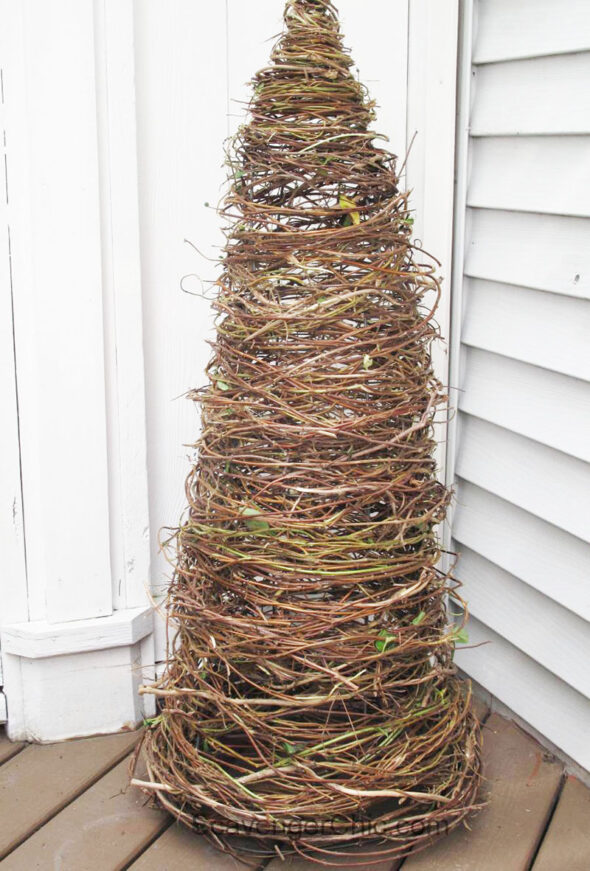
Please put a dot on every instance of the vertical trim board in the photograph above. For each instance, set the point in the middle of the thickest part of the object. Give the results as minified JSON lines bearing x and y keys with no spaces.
{"x":432,"y":84}
{"x":13,"y":582}
{"x":58,"y":303}
{"x":124,"y":357}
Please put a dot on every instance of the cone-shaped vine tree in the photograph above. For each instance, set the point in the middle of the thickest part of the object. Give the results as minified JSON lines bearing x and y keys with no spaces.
{"x":311,"y":695}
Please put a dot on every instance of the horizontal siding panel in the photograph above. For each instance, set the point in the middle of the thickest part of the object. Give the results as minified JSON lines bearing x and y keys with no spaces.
{"x":543,"y":252}
{"x":521,"y":521}
{"x":537,"y":96}
{"x":527,"y":28}
{"x":546,"y":174}
{"x":555,"y":637}
{"x":546,"y":482}
{"x":545,"y":557}
{"x":541,"y":328}
{"x":543,"y":700}
{"x":553,"y":409}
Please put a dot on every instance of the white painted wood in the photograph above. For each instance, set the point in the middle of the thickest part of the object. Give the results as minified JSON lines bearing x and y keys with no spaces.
{"x":161,"y":631}
{"x":539,"y":697}
{"x":181,"y":86}
{"x":14,"y":694}
{"x":544,"y":329}
{"x":249,"y":42}
{"x":545,"y":557}
{"x":68,"y":696}
{"x":381,"y":59}
{"x":13,"y":580}
{"x":39,"y":639}
{"x":13,"y":577}
{"x":128,"y":497}
{"x":57,"y":287}
{"x":543,"y":252}
{"x":464,"y":96}
{"x":550,"y":408}
{"x":147,"y":657}
{"x":546,"y":482}
{"x":554,"y":637}
{"x":547,"y":174}
{"x":432,"y":86}
{"x":13,"y":583}
{"x":540,"y":96}
{"x":529,"y":28}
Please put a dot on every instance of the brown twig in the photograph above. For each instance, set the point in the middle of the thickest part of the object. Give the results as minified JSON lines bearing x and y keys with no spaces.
{"x":312,"y":679}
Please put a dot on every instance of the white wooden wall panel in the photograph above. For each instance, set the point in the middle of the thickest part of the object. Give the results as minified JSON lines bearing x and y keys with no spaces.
{"x":13,"y":587}
{"x":431,"y":102}
{"x":545,"y":174}
{"x":545,"y":557}
{"x":385,"y":72}
{"x":72,"y":371}
{"x":249,"y":42}
{"x":545,"y":329}
{"x":541,"y":95}
{"x":57,"y":284}
{"x":521,"y":328}
{"x":182,"y":110}
{"x":529,"y":28}
{"x":432,"y":88}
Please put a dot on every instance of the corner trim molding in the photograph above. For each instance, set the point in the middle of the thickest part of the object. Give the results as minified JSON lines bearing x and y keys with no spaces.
{"x":40,"y":640}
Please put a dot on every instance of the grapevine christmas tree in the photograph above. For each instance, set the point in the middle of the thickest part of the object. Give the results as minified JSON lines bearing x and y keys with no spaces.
{"x":311,"y":698}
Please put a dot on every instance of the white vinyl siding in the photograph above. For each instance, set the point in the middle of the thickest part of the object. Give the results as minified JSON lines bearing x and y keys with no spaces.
{"x":522,"y":361}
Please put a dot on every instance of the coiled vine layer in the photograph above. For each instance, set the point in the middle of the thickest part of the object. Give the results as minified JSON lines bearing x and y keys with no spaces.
{"x":311,"y":700}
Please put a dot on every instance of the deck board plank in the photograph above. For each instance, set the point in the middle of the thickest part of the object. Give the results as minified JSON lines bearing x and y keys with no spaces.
{"x":8,"y":749}
{"x":522,"y":782}
{"x":567,"y":841}
{"x":104,"y":829}
{"x":481,"y":709}
{"x":296,"y":863}
{"x":38,"y":782}
{"x":179,"y":849}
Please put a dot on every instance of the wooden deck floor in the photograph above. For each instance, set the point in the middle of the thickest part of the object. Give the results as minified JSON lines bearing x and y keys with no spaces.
{"x":66,"y":807}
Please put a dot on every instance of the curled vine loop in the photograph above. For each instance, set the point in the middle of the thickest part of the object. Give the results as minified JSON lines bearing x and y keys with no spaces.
{"x":312,"y":678}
